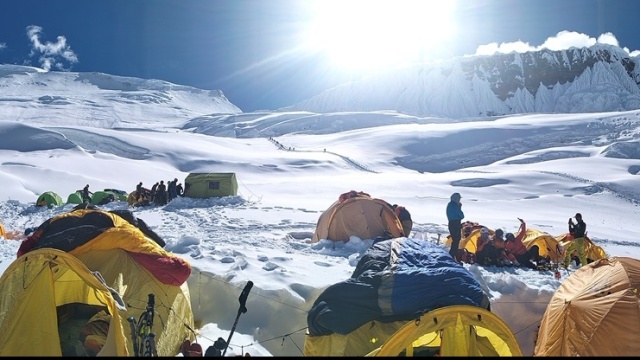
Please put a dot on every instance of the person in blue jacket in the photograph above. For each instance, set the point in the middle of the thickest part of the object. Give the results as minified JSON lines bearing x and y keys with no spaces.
{"x":455,"y":216}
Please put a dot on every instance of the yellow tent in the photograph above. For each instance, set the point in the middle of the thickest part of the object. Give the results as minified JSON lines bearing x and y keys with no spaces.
{"x":132,"y":264}
{"x":548,"y":246}
{"x":594,"y":312}
{"x":361,"y":216}
{"x":208,"y":185}
{"x":458,"y":330}
{"x":3,"y":232}
{"x":37,"y":289}
{"x":591,"y":250}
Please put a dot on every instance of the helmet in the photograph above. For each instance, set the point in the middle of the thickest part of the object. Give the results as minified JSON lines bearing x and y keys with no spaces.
{"x":499,"y":233}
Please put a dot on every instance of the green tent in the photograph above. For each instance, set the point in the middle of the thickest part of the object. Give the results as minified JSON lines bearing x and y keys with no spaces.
{"x":75,"y":198}
{"x":206,"y":185}
{"x":103,"y":197}
{"x":121,"y":195}
{"x":49,"y":199}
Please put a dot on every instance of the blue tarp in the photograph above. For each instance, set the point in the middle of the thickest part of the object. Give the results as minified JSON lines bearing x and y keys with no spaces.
{"x":396,"y":279}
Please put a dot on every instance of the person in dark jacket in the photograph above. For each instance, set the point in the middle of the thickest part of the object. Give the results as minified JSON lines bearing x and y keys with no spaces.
{"x":578,"y":232}
{"x":161,"y":194}
{"x":455,"y":216}
{"x":86,"y":194}
{"x":179,"y":189}
{"x":139,"y":191}
{"x":154,"y":188}
{"x":405,"y":219}
{"x":171,"y":189}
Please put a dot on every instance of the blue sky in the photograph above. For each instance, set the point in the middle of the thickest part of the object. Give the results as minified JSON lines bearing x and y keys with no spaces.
{"x":269,"y":54}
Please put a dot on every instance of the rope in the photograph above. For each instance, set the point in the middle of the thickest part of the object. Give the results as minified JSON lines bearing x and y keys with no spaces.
{"x":253,"y":294}
{"x":245,"y":186}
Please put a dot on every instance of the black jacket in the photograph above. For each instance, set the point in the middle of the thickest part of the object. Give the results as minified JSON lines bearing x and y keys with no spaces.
{"x":578,"y":230}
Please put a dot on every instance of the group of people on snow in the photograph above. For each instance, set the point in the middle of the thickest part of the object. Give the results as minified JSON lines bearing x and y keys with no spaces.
{"x":160,"y":193}
{"x":510,"y":249}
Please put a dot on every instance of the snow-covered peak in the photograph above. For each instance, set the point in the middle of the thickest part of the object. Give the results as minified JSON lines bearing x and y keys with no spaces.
{"x":81,"y":97}
{"x":499,"y":84}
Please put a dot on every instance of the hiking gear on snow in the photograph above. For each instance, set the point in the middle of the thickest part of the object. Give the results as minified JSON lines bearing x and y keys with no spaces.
{"x":243,"y":309}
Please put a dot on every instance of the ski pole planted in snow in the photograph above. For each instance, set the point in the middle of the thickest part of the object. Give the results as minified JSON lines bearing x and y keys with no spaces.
{"x":243,"y":309}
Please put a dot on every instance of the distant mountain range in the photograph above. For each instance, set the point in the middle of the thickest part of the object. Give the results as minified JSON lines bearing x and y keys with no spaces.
{"x":600,"y":78}
{"x":101,"y":100}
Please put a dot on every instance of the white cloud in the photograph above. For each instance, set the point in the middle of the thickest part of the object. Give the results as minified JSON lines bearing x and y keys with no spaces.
{"x":561,"y":41}
{"x":51,"y":54}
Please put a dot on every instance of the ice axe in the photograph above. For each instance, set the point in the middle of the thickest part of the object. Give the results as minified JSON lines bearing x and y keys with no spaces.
{"x":243,"y":309}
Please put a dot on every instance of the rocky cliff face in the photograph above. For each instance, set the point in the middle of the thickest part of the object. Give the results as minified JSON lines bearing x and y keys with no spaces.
{"x":601,"y":78}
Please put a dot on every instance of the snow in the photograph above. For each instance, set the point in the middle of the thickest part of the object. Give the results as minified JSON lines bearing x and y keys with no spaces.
{"x":540,"y":167}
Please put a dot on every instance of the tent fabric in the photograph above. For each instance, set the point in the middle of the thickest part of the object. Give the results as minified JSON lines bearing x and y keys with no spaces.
{"x":75,"y":198}
{"x":396,"y":279}
{"x":120,"y":195}
{"x":458,"y":330}
{"x":49,"y":198}
{"x":594,"y":312}
{"x":83,"y":230}
{"x":471,"y":232}
{"x":103,"y":197}
{"x":3,"y":232}
{"x":548,"y":246}
{"x":359,"y":215}
{"x":130,"y":262}
{"x":591,"y":250}
{"x":207,"y":185}
{"x":39,"y":284}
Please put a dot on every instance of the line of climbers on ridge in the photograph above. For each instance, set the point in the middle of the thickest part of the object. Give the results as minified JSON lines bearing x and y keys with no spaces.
{"x":159,"y":194}
{"x":510,"y":249}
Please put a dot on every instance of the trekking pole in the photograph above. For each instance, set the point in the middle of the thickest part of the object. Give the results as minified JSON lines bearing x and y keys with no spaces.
{"x":134,"y":335}
{"x":149,"y":339}
{"x":243,"y":309}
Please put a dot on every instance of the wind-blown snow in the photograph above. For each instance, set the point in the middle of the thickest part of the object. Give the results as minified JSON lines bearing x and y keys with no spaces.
{"x":291,"y":166}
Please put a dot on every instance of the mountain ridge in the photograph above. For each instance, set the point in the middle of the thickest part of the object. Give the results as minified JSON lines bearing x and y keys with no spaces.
{"x":601,"y":78}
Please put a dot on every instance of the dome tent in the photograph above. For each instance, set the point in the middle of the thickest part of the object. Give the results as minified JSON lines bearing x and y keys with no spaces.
{"x":459,"y":330}
{"x":56,"y":281}
{"x":50,"y":199}
{"x":358,"y":214}
{"x":594,"y":312}
{"x":120,"y":195}
{"x":397,"y":284}
{"x":75,"y":198}
{"x":131,"y":259}
{"x":103,"y":197}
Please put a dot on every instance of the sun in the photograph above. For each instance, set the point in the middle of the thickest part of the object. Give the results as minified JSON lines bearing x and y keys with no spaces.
{"x":370,"y":34}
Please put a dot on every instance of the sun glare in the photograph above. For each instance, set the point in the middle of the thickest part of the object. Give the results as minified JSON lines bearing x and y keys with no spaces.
{"x":369,"y":34}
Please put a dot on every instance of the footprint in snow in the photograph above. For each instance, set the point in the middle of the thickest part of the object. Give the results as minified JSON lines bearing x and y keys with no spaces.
{"x":227,"y":260}
{"x":280,"y":258}
{"x":240,"y":264}
{"x":269,"y":266}
{"x":324,"y":264}
{"x":263,"y":258}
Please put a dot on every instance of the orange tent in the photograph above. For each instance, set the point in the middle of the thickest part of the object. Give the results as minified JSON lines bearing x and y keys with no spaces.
{"x":358,"y":214}
{"x":594,"y":312}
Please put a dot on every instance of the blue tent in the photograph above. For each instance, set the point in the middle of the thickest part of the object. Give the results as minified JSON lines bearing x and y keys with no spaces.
{"x":396,"y":279}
